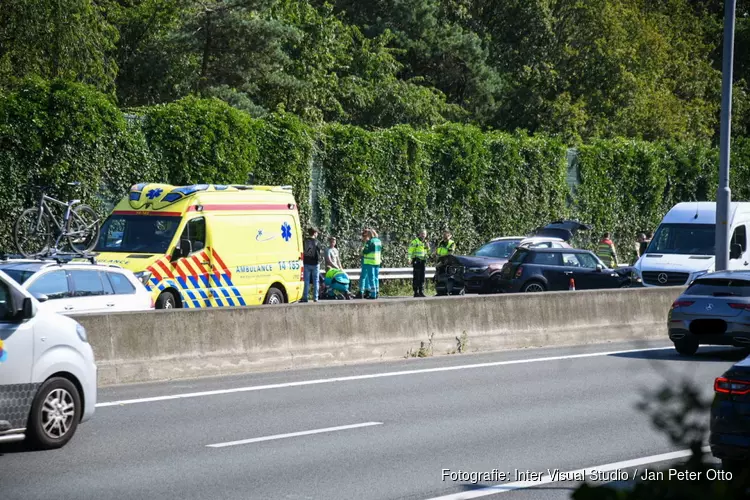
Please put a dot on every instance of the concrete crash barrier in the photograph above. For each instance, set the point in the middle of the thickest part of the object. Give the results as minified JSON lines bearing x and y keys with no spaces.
{"x":179,"y":344}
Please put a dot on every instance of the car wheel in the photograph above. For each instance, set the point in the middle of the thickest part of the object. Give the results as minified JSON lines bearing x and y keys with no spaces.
{"x":686,"y":347}
{"x":55,"y":414}
{"x":166,"y":301}
{"x":534,"y":286}
{"x":274,"y":297}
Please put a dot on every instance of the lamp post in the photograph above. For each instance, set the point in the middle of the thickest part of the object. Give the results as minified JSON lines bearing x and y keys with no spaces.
{"x":723,"y":193}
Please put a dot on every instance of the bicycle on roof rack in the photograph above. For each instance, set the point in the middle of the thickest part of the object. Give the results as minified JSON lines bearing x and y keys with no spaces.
{"x":37,"y":228}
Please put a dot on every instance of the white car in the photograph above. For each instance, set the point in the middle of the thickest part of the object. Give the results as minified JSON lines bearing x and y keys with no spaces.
{"x":47,"y":371}
{"x":79,"y":287}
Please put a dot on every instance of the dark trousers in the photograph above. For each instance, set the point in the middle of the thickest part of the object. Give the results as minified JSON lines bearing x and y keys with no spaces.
{"x":418,"y":279}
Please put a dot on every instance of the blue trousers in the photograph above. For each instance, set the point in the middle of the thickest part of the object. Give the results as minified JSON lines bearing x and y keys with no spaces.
{"x":311,"y":273}
{"x":370,"y":279}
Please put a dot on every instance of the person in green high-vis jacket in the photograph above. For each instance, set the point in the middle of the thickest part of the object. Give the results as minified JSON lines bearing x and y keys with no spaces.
{"x":419,"y":250}
{"x":371,"y":257}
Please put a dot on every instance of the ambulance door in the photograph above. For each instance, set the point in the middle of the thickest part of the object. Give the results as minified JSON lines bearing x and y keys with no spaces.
{"x":230,"y":236}
{"x":191,"y":265}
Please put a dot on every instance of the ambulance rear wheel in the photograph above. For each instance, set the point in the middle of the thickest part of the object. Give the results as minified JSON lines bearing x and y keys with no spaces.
{"x":166,"y":301}
{"x":55,"y":414}
{"x":274,"y":297}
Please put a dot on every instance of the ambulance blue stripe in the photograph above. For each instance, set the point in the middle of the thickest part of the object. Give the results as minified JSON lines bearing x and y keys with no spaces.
{"x":218,"y":300}
{"x":182,"y":283}
{"x":205,"y":298}
{"x":194,"y":281}
{"x":239,"y":297}
{"x":196,"y":303}
{"x":217,"y":280}
{"x":154,"y":281}
{"x":205,"y":280}
{"x":228,"y":297}
{"x":227,"y":279}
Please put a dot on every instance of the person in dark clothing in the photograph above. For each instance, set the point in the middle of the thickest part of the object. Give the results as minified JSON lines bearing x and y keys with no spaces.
{"x":311,"y":264}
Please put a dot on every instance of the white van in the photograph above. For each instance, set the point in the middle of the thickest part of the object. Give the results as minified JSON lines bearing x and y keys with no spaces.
{"x":47,"y":371}
{"x":683,"y":247}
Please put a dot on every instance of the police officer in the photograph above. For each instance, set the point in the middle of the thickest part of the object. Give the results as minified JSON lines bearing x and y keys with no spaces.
{"x":446,"y":246}
{"x":606,"y":251}
{"x":419,"y":249}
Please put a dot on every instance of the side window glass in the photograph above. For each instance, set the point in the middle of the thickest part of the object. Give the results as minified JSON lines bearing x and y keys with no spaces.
{"x":570,"y":260}
{"x":587,"y":261}
{"x":87,"y":283}
{"x":6,"y":305}
{"x":54,"y":285}
{"x":740,"y":237}
{"x":107,"y":286}
{"x":195,"y":231}
{"x":121,"y":284}
{"x":546,"y":259}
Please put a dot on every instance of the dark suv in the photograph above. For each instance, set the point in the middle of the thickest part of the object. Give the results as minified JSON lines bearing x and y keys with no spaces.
{"x":730,"y":418}
{"x":550,"y":269}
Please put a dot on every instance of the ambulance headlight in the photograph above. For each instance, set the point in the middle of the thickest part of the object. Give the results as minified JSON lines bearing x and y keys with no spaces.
{"x":81,"y":331}
{"x":144,"y":277}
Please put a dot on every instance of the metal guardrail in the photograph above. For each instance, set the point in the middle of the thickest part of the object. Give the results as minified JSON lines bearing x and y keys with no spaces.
{"x":389,"y":273}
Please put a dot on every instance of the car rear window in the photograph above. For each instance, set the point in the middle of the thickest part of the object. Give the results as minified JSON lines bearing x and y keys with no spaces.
{"x":518,"y":256}
{"x":122,"y":284}
{"x":719,"y":287}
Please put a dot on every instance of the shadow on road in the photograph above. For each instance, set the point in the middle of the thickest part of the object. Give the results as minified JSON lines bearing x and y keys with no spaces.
{"x":705,"y":353}
{"x":17,"y":447}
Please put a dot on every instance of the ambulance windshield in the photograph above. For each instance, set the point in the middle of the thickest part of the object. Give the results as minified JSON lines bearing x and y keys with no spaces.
{"x":137,"y":233}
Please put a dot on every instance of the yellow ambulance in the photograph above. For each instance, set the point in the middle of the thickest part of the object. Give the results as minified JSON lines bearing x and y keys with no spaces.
{"x":208,"y":245}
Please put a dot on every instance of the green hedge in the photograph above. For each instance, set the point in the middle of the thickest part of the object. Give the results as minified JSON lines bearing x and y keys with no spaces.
{"x":479,"y":184}
{"x":52,"y":133}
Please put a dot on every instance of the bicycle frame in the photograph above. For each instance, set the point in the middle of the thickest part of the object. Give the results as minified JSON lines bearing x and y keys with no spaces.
{"x":44,"y":208}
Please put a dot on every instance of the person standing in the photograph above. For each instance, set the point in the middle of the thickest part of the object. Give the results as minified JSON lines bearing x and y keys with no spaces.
{"x":364,"y":274}
{"x":640,"y":245}
{"x":606,"y":251}
{"x":332,"y":255}
{"x":311,"y":265}
{"x":446,"y":246}
{"x":419,"y":248}
{"x":374,"y":256}
{"x":646,"y":242}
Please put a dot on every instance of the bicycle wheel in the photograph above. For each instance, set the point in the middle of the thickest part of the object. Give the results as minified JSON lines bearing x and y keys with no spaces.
{"x":83,"y":229}
{"x":32,"y":234}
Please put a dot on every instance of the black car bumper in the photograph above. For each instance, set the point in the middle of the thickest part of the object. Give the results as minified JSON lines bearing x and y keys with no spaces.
{"x":736,"y":338}
{"x":730,"y":446}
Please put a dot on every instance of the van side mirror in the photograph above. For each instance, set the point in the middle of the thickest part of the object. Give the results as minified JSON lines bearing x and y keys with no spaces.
{"x":40,"y":297}
{"x":185,"y":249}
{"x":735,"y":252}
{"x":27,"y":309}
{"x":599,"y":268}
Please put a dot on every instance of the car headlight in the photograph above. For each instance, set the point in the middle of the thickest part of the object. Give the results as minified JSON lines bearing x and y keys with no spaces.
{"x":81,"y":331}
{"x":144,"y":277}
{"x":477,"y":269}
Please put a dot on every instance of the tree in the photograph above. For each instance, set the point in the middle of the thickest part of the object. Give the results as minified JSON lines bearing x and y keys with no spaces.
{"x":69,"y":40}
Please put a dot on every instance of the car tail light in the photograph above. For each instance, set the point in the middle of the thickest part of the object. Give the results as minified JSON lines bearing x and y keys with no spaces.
{"x":682,"y":303}
{"x":519,"y":271}
{"x":735,"y":305}
{"x":728,"y":386}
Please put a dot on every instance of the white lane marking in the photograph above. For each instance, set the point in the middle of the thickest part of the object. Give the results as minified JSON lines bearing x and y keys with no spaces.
{"x":292,"y":434}
{"x":367,"y":377}
{"x":547,"y":479}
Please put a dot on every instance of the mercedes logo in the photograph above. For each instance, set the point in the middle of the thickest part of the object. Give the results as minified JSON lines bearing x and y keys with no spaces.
{"x":662,"y":278}
{"x":709,"y":307}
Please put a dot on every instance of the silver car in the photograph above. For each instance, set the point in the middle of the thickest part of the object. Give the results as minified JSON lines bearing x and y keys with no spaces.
{"x":714,"y":310}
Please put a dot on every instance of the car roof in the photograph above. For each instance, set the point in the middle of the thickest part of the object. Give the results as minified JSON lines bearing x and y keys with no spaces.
{"x":555,"y":250}
{"x":738,"y":274}
{"x":506,"y":238}
{"x":38,"y":265}
{"x":538,"y":239}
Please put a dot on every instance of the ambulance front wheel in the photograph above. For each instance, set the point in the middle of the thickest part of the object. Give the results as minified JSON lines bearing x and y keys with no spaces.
{"x":166,"y":301}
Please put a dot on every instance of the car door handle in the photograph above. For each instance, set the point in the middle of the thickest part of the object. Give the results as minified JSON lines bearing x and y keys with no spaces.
{"x":111,"y":305}
{"x":568,"y":273}
{"x":205,"y":263}
{"x":745,"y":263}
{"x":68,"y":308}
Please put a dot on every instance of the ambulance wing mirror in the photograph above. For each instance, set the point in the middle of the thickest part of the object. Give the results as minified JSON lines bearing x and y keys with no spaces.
{"x":183,"y":250}
{"x":736,"y":252}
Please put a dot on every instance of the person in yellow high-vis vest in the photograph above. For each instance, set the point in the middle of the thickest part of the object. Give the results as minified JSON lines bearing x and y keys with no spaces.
{"x":606,"y":251}
{"x":419,"y":249}
{"x":371,"y":257}
{"x":446,"y":246}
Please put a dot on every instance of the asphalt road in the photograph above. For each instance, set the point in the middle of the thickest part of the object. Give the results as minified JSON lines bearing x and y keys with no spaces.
{"x":382,"y":431}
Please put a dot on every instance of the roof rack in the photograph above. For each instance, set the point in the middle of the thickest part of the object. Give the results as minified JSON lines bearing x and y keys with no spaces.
{"x":66,"y":257}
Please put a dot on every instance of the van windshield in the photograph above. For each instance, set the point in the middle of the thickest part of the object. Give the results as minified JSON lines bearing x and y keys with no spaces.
{"x":137,"y":233}
{"x":684,"y":239}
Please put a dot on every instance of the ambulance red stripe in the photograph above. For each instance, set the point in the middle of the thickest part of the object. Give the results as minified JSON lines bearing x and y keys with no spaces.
{"x":221,"y":263}
{"x":242,"y":206}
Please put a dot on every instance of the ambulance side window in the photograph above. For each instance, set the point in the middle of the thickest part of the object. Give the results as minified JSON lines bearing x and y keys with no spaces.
{"x":195,"y":231}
